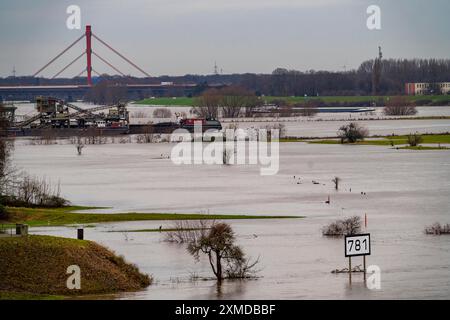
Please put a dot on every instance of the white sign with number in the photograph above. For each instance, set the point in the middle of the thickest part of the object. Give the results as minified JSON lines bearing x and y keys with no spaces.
{"x":357,"y":245}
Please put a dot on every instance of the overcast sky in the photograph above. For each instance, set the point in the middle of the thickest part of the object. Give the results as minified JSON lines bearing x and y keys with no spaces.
{"x":177,"y":37}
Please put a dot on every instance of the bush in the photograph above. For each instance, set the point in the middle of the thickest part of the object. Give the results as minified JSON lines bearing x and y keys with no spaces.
{"x":400,"y":106}
{"x":30,"y":191}
{"x":343,"y":227}
{"x":414,"y":140}
{"x":438,"y":229}
{"x":352,"y":132}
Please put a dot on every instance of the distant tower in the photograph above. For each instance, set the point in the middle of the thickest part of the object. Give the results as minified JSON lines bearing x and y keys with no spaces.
{"x":215,"y":68}
{"x":14,"y":71}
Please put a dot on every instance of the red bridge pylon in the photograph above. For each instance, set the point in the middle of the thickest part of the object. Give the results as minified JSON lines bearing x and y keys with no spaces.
{"x":88,"y":52}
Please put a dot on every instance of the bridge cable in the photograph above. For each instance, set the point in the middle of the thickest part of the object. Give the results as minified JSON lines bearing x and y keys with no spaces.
{"x":93,"y":70}
{"x":84,"y":70}
{"x":71,"y":63}
{"x":59,"y":55}
{"x":120,"y":55}
{"x":109,"y":64}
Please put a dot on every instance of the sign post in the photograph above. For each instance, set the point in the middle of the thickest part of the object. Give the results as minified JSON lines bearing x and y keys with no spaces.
{"x":357,"y":245}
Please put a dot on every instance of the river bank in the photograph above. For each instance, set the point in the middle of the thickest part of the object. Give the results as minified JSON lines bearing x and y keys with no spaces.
{"x":36,"y":267}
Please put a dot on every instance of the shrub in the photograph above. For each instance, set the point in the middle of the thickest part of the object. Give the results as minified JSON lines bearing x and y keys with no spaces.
{"x":30,"y":191}
{"x":414,"y":140}
{"x":400,"y":106}
{"x":438,"y":229}
{"x":343,"y":227}
{"x":352,"y":132}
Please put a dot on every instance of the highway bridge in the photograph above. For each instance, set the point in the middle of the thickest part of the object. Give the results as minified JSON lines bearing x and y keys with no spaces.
{"x":77,"y":92}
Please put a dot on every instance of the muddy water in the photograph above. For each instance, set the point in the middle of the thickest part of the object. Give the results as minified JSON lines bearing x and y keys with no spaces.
{"x":404,"y":191}
{"x":315,"y":127}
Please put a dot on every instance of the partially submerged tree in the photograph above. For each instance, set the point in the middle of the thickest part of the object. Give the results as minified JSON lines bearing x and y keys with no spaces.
{"x":207,"y":104}
{"x":235,"y":99}
{"x":343,"y":227}
{"x":400,"y":106}
{"x":217,"y":242}
{"x":352,"y":133}
{"x":336,"y":181}
{"x":438,"y":229}
{"x":230,"y":100}
{"x":310,"y":108}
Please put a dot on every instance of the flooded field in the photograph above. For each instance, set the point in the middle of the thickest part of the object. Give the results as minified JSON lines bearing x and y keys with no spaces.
{"x":323,"y":125}
{"x":404,"y":192}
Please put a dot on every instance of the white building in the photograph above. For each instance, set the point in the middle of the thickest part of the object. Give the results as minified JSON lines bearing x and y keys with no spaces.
{"x":421,"y":88}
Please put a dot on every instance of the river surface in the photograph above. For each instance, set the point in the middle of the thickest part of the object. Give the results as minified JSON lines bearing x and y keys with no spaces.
{"x":403,"y":191}
{"x":322,"y":125}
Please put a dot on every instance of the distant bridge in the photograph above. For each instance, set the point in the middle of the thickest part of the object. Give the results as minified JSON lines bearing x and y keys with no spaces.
{"x":76,"y":92}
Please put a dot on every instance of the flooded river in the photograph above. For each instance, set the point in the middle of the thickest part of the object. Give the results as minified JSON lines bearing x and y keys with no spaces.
{"x":404,"y":192}
{"x":322,"y":125}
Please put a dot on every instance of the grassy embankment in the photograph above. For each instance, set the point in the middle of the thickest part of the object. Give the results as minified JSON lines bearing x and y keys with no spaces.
{"x":185,"y":101}
{"x":34,"y":267}
{"x":67,"y":216}
{"x":386,"y":141}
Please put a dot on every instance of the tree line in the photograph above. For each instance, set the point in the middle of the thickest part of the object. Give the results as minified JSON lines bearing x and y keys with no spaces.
{"x":393,"y":74}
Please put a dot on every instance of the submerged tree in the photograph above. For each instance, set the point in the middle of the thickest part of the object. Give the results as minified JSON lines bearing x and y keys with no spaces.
{"x":343,"y":227}
{"x":400,"y":106}
{"x":227,"y":260}
{"x":352,"y":133}
{"x":336,"y":181}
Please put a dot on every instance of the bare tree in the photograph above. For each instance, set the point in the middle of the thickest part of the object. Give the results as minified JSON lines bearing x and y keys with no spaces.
{"x":336,"y":181}
{"x":227,"y":260}
{"x":343,"y":227}
{"x":207,"y":104}
{"x":230,"y":100}
{"x":438,"y":229}
{"x":234,"y":99}
{"x":31,"y":191}
{"x":352,"y":133}
{"x":184,"y":231}
{"x":148,"y":135}
{"x":309,"y":109}
{"x":79,"y":146}
{"x":400,"y":106}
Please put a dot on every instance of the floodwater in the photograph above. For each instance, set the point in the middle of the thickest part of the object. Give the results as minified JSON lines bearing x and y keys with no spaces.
{"x":323,"y":125}
{"x":404,"y":192}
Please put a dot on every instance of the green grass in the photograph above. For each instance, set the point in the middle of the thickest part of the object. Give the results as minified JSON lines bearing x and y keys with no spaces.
{"x":353,"y":99}
{"x":185,"y":101}
{"x":66,"y":216}
{"x":36,"y":265}
{"x":394,"y":140}
{"x":179,"y":101}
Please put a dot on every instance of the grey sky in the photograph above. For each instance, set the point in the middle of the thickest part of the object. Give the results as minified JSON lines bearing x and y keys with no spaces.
{"x":177,"y":37}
